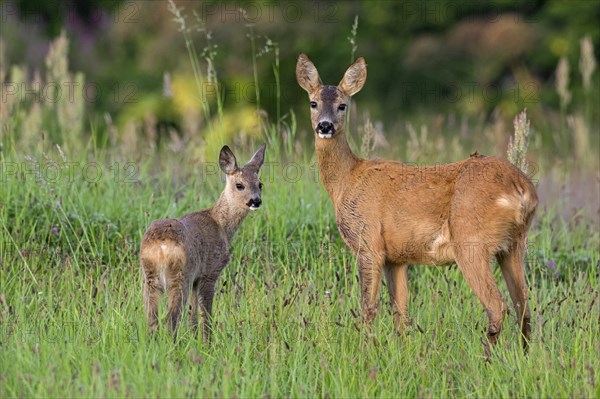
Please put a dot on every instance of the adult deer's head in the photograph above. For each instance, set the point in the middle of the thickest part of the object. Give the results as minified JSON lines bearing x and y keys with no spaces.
{"x":328,"y":104}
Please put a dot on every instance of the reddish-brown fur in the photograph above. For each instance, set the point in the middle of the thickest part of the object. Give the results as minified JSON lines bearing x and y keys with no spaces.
{"x":189,"y":253}
{"x":391,"y":214}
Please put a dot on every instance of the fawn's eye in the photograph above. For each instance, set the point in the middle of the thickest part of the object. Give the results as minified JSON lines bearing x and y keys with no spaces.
{"x":313,"y":104}
{"x":239,"y":186}
{"x":342,"y":107}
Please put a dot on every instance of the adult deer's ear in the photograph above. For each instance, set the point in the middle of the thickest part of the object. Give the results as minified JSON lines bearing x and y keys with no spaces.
{"x":307,"y":75}
{"x":258,"y":158}
{"x":354,"y":78}
{"x":227,"y":161}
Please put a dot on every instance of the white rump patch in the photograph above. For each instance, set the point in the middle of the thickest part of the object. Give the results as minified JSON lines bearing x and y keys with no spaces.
{"x":162,"y":268}
{"x":162,"y":255}
{"x":162,"y":276}
{"x":508,"y":203}
{"x":515,"y":204}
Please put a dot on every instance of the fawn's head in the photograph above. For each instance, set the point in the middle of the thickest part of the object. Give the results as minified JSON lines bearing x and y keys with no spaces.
{"x":243,"y":187}
{"x":329,"y":103}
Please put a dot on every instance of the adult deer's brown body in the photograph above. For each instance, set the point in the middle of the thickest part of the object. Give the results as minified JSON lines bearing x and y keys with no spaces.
{"x":191,"y":251}
{"x":391,"y":214}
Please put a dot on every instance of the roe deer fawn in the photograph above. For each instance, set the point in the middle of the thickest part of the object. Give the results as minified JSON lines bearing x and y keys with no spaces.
{"x":391,"y":214}
{"x":191,"y":251}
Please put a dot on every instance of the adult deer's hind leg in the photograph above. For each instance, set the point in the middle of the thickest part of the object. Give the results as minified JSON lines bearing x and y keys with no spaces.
{"x":512,"y":264}
{"x":475,"y":266}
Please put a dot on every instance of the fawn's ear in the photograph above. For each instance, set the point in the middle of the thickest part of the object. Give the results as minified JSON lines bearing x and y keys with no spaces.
{"x":354,"y":78}
{"x":227,"y":161}
{"x":258,"y":158}
{"x":306,"y":74}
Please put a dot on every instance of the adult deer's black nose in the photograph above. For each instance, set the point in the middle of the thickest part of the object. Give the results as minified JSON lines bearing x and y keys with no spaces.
{"x":325,"y":127}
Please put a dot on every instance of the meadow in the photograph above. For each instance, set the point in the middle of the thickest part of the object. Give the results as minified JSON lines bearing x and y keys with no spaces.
{"x":286,"y":314}
{"x":76,"y":198}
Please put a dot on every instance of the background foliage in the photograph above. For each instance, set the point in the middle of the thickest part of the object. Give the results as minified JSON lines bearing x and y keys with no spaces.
{"x":423,"y":56}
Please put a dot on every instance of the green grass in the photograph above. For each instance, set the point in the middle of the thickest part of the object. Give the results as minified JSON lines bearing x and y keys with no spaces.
{"x":286,"y":315}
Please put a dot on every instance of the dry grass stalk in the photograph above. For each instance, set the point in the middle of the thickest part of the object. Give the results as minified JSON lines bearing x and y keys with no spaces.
{"x":368,"y":137}
{"x":581,"y":138}
{"x":562,"y":82}
{"x":587,"y":62}
{"x":63,"y":91}
{"x":517,"y":147}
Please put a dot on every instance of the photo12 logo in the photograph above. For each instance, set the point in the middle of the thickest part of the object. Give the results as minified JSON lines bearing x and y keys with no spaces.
{"x":70,"y":91}
{"x":441,"y":11}
{"x":455,"y":92}
{"x":40,"y":331}
{"x":268,"y":12}
{"x":67,"y":13}
{"x":51,"y":172}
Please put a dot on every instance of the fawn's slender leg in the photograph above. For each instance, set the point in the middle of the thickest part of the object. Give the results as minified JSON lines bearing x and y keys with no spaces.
{"x":512,"y":265}
{"x":194,"y":307}
{"x":178,"y":294}
{"x":397,"y":281}
{"x":205,"y":292}
{"x":150,"y":292}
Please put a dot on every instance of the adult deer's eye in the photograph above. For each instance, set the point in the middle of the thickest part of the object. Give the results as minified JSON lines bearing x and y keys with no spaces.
{"x":260,"y":185}
{"x":239,"y":186}
{"x":342,"y":107}
{"x":313,"y":104}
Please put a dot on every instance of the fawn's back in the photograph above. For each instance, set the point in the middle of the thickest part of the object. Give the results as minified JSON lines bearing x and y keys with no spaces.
{"x":185,"y":248}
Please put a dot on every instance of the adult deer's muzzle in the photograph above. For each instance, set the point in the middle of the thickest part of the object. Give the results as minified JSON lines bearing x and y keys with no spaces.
{"x":325,"y":129}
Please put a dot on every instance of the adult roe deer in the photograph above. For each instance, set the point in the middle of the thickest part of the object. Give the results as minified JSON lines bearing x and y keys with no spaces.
{"x":391,"y":214}
{"x":191,"y":251}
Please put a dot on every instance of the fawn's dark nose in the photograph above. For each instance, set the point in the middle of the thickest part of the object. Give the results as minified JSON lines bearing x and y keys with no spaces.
{"x":325,"y":127}
{"x":254,"y":203}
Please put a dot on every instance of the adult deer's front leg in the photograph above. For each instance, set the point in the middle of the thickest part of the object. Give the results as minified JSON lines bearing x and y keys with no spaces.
{"x":370,"y":265}
{"x":397,"y":283}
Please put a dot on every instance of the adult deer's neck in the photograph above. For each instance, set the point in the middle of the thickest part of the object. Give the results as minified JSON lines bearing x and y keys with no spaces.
{"x":336,"y":161}
{"x":227,"y":215}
